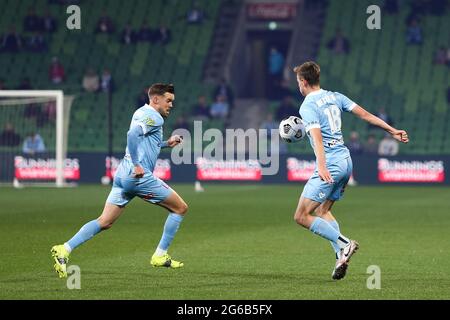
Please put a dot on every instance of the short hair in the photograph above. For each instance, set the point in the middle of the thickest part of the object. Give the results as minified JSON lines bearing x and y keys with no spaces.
{"x":310,"y":71}
{"x":160,"y":88}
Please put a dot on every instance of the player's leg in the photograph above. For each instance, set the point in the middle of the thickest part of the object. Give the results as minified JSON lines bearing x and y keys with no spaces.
{"x":158,"y":192}
{"x":340,"y":269}
{"x":113,"y":208}
{"x":314,"y":194}
{"x":61,"y":253}
{"x":303,"y":216}
{"x":177,"y":209}
{"x":324,"y":211}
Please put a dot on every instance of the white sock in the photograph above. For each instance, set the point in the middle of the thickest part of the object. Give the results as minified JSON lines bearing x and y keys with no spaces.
{"x":160,"y":252}
{"x":342,"y":241}
{"x":68,"y":248}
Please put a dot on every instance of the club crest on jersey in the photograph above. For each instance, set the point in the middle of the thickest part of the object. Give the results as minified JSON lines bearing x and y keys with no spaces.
{"x":149,"y":122}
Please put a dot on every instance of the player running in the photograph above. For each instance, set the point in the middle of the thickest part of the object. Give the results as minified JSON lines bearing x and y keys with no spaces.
{"x":321,"y":114}
{"x":134,"y":177}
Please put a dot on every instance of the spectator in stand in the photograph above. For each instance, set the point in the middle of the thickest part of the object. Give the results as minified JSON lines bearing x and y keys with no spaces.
{"x":12,"y":42}
{"x":56,"y":72}
{"x":383,"y":115}
{"x":275,"y":71}
{"x":105,"y":24}
{"x":269,"y":124}
{"x":219,"y":109}
{"x":25,"y":84}
{"x":390,"y":6}
{"x":354,"y":145}
{"x":33,"y":144}
{"x":371,"y":146}
{"x":48,"y":112}
{"x":128,"y":35}
{"x":195,"y":15}
{"x":145,"y":33}
{"x":91,"y":81}
{"x":284,"y":90}
{"x":388,"y":146}
{"x":163,"y":35}
{"x":181,"y":123}
{"x":339,"y":44}
{"x":32,"y":22}
{"x":48,"y":23}
{"x":201,"y":109}
{"x":143,"y":98}
{"x":441,"y":56}
{"x":438,"y":7}
{"x":107,"y":82}
{"x":9,"y":137}
{"x":414,"y":32}
{"x":31,"y":109}
{"x":36,"y":42}
{"x":224,"y":89}
{"x":286,"y":109}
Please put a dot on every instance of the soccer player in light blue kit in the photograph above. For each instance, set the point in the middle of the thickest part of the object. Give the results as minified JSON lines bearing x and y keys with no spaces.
{"x":134,"y":177}
{"x":321,"y":114}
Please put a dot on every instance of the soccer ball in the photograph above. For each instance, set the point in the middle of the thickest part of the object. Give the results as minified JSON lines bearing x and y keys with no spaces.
{"x":292,"y":129}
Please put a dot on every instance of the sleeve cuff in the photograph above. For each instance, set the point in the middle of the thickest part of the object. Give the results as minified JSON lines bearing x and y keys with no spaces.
{"x":312,"y":126}
{"x":352,"y":106}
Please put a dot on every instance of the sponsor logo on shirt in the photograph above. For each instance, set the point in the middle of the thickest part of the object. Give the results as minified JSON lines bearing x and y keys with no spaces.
{"x":149,"y":122}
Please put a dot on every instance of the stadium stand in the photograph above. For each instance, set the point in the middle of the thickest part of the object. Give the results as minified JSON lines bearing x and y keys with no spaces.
{"x":376,"y":74}
{"x":380,"y":70}
{"x":132,"y":66}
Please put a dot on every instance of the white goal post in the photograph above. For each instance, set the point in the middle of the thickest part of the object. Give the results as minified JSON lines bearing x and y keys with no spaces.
{"x":10,"y":98}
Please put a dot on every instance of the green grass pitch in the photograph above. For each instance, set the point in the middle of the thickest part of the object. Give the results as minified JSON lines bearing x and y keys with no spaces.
{"x":237,"y":242}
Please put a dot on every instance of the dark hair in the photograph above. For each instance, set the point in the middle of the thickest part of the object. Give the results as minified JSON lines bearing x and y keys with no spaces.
{"x":160,"y":88}
{"x":310,"y":71}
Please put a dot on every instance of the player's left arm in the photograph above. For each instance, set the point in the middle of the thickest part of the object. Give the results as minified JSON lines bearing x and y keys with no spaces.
{"x":172,"y":141}
{"x":400,"y":135}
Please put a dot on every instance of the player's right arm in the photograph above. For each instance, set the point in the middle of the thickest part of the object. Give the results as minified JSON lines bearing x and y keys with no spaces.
{"x":134,"y":136}
{"x":319,"y":150}
{"x":311,"y":121}
{"x":365,"y":115}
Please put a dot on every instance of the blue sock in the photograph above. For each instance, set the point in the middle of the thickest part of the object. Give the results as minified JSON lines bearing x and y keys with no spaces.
{"x":86,"y":232}
{"x":336,"y":248}
{"x":170,"y":228}
{"x":322,"y":228}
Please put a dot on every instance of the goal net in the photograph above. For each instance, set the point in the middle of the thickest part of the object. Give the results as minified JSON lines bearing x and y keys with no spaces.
{"x":33,"y":138}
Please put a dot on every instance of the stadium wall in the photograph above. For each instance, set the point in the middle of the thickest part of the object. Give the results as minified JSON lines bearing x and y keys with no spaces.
{"x":368,"y":170}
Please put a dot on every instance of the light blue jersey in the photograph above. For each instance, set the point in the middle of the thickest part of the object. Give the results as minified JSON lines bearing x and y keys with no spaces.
{"x":322,"y":109}
{"x":150,"y":188}
{"x":151,"y":123}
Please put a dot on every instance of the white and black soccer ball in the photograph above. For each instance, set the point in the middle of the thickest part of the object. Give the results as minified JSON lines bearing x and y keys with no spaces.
{"x":292,"y":129}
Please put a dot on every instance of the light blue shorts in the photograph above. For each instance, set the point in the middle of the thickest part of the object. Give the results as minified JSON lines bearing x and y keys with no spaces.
{"x":126,"y":187}
{"x":318,"y":190}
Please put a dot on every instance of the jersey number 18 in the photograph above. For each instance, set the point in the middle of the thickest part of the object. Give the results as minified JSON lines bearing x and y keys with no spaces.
{"x":334,"y":118}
